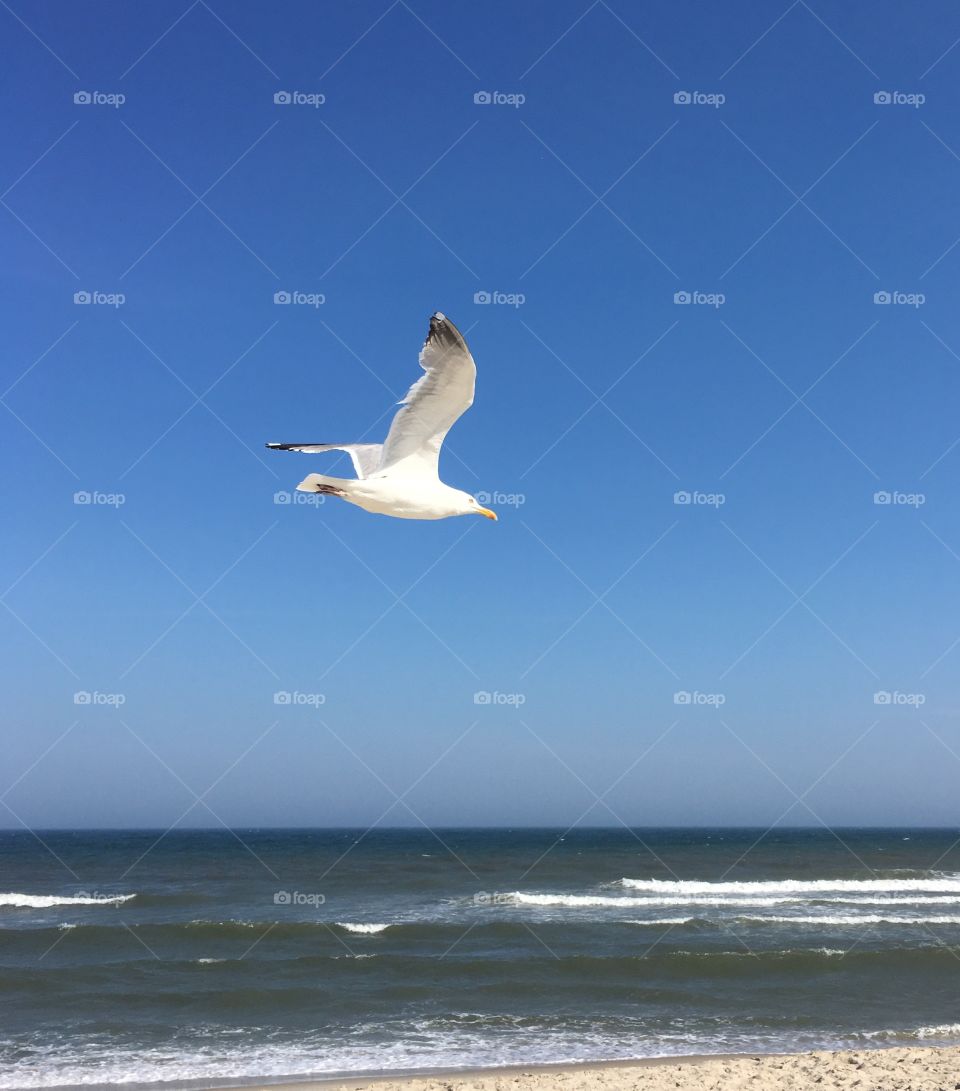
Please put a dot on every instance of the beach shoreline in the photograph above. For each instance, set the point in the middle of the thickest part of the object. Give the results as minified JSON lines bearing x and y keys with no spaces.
{"x":899,"y":1068}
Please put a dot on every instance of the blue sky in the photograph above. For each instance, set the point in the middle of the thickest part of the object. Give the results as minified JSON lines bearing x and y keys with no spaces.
{"x":779,"y":200}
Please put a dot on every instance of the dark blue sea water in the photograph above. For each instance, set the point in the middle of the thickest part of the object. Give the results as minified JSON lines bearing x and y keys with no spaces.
{"x":204,"y":956}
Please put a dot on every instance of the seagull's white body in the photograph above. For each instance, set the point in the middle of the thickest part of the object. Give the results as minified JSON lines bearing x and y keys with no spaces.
{"x":400,"y":477}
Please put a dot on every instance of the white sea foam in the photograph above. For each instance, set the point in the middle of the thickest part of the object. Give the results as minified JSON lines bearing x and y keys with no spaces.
{"x":48,"y":901}
{"x":583,"y":901}
{"x":664,"y":920}
{"x":363,"y":929}
{"x":945,"y":884}
{"x":858,"y":918}
{"x":941,"y":1030}
{"x":579,"y":901}
{"x":825,"y":921}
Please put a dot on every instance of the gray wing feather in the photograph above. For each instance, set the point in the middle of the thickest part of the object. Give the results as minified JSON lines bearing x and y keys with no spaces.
{"x":433,"y":403}
{"x":364,"y":456}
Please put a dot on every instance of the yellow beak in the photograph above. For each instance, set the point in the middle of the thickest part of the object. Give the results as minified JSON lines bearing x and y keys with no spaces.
{"x":488,"y":513}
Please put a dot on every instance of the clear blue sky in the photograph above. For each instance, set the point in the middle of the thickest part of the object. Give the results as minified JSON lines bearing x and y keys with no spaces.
{"x":596,"y":199}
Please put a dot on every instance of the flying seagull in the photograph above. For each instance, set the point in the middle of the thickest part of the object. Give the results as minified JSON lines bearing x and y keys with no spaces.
{"x":400,"y":477}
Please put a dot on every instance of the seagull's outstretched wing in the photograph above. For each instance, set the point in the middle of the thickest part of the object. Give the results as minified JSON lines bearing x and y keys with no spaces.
{"x":432,"y":404}
{"x":364,"y":456}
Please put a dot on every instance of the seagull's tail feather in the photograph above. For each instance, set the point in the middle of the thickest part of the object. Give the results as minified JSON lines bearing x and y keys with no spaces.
{"x":332,"y":486}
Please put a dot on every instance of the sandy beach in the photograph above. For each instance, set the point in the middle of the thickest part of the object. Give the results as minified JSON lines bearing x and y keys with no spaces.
{"x":915,"y":1069}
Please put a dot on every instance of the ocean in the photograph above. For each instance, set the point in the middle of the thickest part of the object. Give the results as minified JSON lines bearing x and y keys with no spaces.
{"x":204,"y":957}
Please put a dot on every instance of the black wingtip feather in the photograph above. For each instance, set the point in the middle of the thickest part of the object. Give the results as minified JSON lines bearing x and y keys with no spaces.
{"x":291,"y":446}
{"x":444,"y":333}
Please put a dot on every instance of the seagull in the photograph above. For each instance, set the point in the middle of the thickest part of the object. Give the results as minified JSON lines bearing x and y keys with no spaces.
{"x":400,"y":477}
